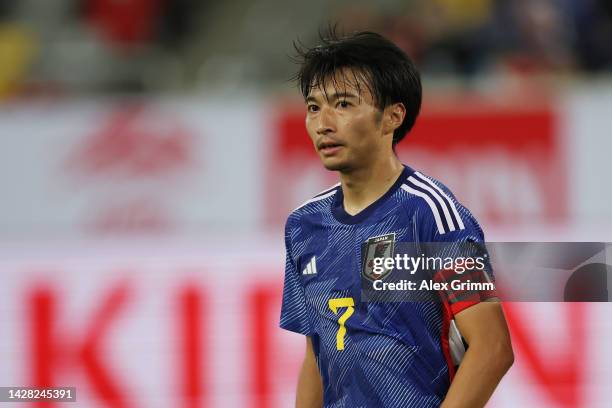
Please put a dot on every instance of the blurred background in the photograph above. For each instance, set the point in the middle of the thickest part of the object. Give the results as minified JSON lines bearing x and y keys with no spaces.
{"x":150,"y":151}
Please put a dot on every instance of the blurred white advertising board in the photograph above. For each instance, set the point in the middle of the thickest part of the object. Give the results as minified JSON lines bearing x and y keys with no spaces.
{"x":159,"y":324}
{"x":184,"y":166}
{"x":102,"y":167}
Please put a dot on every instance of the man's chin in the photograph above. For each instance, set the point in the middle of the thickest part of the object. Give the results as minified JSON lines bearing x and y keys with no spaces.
{"x":335,"y":165}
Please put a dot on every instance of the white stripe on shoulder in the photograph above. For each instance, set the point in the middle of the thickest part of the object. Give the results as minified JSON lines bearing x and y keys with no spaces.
{"x":318,"y":198}
{"x":431,"y":204}
{"x":443,"y":205}
{"x":327,"y":190}
{"x":452,"y":203}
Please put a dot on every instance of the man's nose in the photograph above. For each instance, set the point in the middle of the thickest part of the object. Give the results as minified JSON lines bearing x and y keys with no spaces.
{"x":327,"y":121}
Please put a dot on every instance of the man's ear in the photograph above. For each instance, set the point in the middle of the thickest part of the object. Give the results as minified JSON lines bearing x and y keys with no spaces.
{"x":393,"y":116}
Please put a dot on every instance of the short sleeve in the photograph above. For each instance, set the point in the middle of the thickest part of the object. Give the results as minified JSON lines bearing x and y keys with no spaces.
{"x":294,"y":315}
{"x":467,"y":275}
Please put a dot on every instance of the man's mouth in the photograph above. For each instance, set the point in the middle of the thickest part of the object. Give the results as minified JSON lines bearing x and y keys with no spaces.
{"x":328,"y":145}
{"x":329,"y":148}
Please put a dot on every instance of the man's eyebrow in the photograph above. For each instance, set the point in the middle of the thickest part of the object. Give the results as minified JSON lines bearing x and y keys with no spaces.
{"x":333,"y":96}
{"x":343,"y":95}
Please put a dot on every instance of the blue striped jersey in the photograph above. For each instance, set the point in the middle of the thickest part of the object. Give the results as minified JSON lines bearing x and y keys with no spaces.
{"x":374,"y":354}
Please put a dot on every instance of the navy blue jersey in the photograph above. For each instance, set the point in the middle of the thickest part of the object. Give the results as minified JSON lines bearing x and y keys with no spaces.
{"x":374,"y":354}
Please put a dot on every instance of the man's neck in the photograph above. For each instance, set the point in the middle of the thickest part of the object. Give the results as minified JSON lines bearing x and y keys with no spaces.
{"x":362,"y":187}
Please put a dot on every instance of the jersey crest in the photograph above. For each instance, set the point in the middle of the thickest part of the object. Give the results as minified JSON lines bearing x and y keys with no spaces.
{"x":376,"y":250}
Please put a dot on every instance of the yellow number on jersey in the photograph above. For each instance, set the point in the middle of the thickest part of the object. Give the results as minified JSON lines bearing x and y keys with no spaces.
{"x":334,"y":304}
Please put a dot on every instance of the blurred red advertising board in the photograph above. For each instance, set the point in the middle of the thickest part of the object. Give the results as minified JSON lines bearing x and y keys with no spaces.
{"x":505,"y":163}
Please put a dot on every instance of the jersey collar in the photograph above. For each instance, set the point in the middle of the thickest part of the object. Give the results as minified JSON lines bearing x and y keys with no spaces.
{"x":338,"y":204}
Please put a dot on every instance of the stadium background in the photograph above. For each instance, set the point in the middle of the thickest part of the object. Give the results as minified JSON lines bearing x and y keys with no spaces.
{"x":151,"y":149}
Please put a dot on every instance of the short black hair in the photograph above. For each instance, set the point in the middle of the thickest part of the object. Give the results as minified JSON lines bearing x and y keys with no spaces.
{"x":387,"y":71}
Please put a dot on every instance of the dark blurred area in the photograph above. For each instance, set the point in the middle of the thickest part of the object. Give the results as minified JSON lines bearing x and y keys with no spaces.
{"x":93,"y":45}
{"x":588,"y":283}
{"x":152,"y":45}
{"x":475,"y":37}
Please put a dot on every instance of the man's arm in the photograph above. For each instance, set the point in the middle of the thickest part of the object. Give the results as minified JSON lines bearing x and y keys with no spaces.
{"x":310,"y":386}
{"x":487,"y":358}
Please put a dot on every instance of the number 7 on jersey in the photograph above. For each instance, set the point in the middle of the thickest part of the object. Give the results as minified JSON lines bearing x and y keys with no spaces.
{"x":334,"y":305}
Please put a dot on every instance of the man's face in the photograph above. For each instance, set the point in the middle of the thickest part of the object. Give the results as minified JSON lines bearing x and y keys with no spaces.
{"x":344,"y":123}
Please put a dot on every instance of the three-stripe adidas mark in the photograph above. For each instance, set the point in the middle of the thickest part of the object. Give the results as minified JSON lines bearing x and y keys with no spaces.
{"x":311,"y":268}
{"x":443,"y":207}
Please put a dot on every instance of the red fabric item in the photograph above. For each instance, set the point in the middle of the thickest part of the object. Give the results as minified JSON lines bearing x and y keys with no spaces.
{"x":124,"y":22}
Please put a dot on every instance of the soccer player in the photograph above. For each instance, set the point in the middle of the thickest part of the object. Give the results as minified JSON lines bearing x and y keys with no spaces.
{"x":362,"y":95}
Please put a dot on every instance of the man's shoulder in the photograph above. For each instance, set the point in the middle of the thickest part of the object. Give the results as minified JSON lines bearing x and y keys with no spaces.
{"x":318,"y":202}
{"x":433,"y":202}
{"x":417,"y":182}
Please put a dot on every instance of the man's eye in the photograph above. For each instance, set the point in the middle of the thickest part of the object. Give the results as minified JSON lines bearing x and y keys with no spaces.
{"x":343,"y":104}
{"x":313,"y":108}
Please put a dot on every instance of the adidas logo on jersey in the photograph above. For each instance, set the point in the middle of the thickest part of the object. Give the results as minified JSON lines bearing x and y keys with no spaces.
{"x":311,"y":268}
